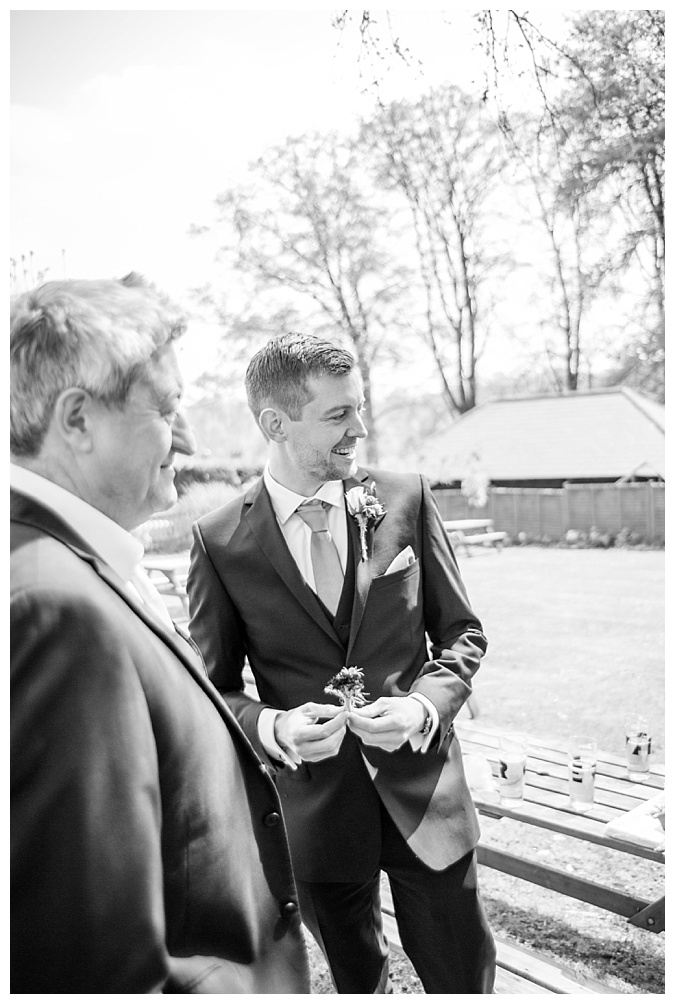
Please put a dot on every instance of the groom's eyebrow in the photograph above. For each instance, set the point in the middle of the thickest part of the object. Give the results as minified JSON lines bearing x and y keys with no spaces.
{"x":335,"y":408}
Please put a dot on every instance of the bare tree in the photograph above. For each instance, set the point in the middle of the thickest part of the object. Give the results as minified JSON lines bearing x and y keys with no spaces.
{"x":309,"y":226}
{"x":617,"y":128}
{"x":443,"y":155}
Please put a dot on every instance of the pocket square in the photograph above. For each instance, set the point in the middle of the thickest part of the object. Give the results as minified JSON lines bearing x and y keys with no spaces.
{"x":402,"y":560}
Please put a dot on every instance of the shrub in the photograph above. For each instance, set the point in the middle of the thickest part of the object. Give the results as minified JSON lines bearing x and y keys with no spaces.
{"x":596,"y":538}
{"x":171,"y":532}
{"x":203,"y":472}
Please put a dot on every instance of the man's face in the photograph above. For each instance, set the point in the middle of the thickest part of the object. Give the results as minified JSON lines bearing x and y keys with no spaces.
{"x":321,"y":446}
{"x":131,"y":466}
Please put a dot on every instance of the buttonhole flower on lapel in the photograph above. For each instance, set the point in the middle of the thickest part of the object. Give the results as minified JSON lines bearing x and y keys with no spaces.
{"x":347,"y":686}
{"x":367,"y":510}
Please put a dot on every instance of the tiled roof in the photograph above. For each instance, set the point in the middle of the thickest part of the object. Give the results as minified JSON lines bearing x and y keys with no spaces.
{"x":596,"y":434}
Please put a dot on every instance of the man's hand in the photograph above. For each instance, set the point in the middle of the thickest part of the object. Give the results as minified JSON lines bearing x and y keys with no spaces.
{"x":388,"y":722}
{"x":301,"y":738}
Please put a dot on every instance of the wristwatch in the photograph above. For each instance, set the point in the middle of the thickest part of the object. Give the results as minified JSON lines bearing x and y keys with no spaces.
{"x":428,"y":722}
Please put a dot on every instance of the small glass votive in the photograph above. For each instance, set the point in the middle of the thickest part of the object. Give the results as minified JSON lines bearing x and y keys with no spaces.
{"x":638,"y":747}
{"x":582,"y":758}
{"x":512,"y":758}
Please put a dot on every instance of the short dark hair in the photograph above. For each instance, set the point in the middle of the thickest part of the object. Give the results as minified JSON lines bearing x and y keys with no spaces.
{"x":277,"y":375}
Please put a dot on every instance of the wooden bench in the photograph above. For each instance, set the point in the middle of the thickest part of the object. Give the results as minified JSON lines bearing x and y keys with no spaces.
{"x":169,"y":574}
{"x":466,"y":532}
{"x":519,"y":970}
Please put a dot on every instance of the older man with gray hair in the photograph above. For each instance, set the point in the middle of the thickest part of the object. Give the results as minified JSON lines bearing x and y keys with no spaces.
{"x":148,"y":850}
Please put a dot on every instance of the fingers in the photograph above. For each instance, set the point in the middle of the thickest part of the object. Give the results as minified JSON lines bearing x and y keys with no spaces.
{"x":386,"y":723}
{"x":374,"y":710}
{"x":312,"y":710}
{"x":290,"y":757}
{"x":302,"y":737}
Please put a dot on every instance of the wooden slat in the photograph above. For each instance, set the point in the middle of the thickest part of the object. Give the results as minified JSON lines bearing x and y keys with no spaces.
{"x":506,"y":981}
{"x":549,"y":975}
{"x":563,"y":882}
{"x":554,"y":750}
{"x":652,"y":918}
{"x":519,"y":970}
{"x":561,"y":822}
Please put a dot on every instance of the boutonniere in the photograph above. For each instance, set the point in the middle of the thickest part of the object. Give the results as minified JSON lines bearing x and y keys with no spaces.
{"x":364,"y":506}
{"x":347,"y":686}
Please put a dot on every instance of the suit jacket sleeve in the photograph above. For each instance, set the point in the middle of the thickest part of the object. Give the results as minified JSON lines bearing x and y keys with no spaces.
{"x":455,"y":632}
{"x":216,"y":628}
{"x":88,"y":911}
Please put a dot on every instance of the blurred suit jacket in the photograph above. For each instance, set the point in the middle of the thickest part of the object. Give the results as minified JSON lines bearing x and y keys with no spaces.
{"x":148,"y":852}
{"x":249,"y":600}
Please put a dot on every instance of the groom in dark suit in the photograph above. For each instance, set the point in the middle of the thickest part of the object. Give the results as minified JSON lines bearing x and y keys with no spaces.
{"x":320,"y":566}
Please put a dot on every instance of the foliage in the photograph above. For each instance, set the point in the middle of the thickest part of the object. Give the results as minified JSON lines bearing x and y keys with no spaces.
{"x":199,"y":472}
{"x":475,"y":484}
{"x":422,"y":230}
{"x":308,"y":224}
{"x":616,"y":113}
{"x":171,"y":532}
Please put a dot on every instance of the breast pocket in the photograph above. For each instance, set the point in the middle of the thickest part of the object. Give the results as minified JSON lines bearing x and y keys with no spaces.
{"x":400,"y":575}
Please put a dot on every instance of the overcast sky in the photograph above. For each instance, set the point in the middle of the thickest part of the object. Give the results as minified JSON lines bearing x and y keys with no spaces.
{"x":125,"y":125}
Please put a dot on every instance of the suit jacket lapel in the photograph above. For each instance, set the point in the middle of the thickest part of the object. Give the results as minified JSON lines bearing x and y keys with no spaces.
{"x":265,"y":528}
{"x":26,"y":510}
{"x":364,"y":569}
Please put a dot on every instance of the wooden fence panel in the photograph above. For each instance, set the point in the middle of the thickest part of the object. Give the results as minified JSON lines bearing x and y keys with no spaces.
{"x":551,"y":512}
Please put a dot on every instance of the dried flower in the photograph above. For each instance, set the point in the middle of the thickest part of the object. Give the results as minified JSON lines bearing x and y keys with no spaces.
{"x":367,"y":510}
{"x":347,"y":686}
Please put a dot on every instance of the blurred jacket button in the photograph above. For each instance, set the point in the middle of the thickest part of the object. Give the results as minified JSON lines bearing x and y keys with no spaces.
{"x":271,"y":819}
{"x":288,"y":909}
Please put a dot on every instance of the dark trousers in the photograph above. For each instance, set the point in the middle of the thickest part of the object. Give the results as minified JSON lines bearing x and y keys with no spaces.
{"x":441,"y":921}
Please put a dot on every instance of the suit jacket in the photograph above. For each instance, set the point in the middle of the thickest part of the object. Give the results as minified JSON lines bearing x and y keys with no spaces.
{"x":148,"y":849}
{"x":411,"y":630}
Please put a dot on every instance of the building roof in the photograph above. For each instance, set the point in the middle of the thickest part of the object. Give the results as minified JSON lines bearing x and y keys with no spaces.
{"x":609,"y":433}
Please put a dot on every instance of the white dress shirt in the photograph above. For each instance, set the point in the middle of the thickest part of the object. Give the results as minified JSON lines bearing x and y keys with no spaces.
{"x":115,"y":545}
{"x":298,"y":537}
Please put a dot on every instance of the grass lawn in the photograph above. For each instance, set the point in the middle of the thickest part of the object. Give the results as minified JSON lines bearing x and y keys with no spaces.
{"x":576,"y":640}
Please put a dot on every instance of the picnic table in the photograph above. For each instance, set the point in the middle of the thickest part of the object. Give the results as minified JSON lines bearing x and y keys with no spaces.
{"x":169,"y":574}
{"x":546,"y":805}
{"x":466,"y":532}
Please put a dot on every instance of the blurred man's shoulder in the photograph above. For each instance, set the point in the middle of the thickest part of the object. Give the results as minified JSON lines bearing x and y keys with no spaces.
{"x":225,"y":516}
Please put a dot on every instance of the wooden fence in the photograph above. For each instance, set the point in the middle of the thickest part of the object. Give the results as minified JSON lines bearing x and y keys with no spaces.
{"x":551,"y":512}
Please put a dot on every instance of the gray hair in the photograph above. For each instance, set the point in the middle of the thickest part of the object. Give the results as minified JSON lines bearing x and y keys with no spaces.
{"x":98,"y":335}
{"x":277,"y":375}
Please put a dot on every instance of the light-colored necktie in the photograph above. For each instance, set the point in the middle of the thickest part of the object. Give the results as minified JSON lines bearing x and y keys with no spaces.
{"x":328,"y":574}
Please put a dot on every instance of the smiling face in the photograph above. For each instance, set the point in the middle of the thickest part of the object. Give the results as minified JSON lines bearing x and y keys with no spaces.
{"x":321,"y":445}
{"x":131,"y":471}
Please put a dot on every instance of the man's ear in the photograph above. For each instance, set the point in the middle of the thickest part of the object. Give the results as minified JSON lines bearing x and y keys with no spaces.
{"x":271,"y":422}
{"x":72,"y":419}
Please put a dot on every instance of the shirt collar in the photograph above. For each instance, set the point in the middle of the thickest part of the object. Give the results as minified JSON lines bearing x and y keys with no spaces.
{"x":285,"y":501}
{"x":109,"y":540}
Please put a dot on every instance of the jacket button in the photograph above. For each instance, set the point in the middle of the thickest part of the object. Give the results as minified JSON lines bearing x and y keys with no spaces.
{"x":271,"y":819}
{"x":288,"y":909}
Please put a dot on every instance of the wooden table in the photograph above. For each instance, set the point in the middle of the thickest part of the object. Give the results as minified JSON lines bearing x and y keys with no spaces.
{"x":464,"y":532}
{"x":169,"y":574}
{"x":546,"y":805}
